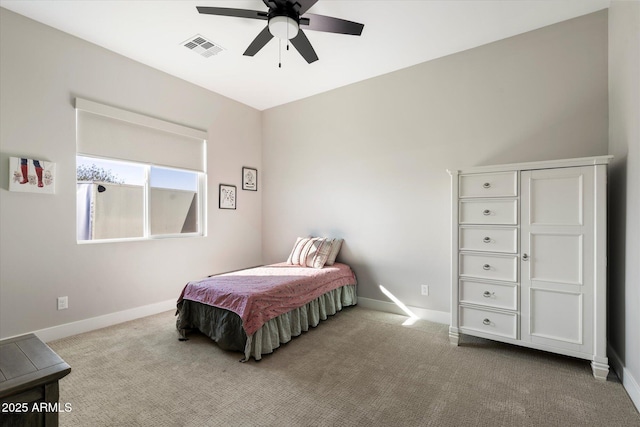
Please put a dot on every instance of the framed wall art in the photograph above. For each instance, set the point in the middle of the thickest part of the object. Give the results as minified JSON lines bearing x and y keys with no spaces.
{"x":249,"y":179}
{"x":227,"y":196}
{"x":31,"y":175}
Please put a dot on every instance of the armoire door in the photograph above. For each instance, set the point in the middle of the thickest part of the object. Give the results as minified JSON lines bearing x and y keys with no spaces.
{"x":556,"y":257}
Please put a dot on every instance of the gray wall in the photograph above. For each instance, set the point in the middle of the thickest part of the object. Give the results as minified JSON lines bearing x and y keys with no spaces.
{"x":41,"y":71}
{"x":624,"y":191}
{"x":368,"y":162}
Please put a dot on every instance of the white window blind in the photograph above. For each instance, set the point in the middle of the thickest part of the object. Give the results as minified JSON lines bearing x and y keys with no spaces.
{"x":109,"y":132}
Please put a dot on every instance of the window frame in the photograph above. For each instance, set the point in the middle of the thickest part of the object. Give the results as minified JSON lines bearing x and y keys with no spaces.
{"x":201,"y":193}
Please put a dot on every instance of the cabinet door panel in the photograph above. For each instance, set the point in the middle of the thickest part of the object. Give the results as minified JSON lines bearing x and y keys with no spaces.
{"x":556,"y":315}
{"x":557,"y":272}
{"x":556,"y":257}
{"x":557,"y":200}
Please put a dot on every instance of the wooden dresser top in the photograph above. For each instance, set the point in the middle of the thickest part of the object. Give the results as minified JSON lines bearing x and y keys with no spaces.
{"x":26,"y":362}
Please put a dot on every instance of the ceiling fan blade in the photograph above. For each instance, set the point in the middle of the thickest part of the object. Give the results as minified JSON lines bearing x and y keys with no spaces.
{"x":302,"y":44}
{"x":273,"y":4}
{"x":238,"y":13}
{"x":330,"y":25}
{"x":304,"y":5}
{"x":259,"y":42}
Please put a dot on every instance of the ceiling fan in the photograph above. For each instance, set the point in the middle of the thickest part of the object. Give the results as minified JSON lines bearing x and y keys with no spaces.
{"x":285,"y":20}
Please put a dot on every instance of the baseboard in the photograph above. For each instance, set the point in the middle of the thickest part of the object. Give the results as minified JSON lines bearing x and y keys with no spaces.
{"x":389,"y":307}
{"x":629,"y":383}
{"x":86,"y":325}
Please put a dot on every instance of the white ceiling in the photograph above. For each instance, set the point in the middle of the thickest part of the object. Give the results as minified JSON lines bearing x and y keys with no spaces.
{"x":397,"y":34}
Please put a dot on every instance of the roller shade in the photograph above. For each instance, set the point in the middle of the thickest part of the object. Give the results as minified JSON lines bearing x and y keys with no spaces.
{"x":105,"y":131}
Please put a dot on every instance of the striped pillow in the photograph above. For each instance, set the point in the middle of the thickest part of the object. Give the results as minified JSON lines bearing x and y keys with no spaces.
{"x":310,"y":252}
{"x":336,"y":244}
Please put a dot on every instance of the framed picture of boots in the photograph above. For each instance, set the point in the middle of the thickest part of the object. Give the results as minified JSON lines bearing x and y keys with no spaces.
{"x":31,"y":175}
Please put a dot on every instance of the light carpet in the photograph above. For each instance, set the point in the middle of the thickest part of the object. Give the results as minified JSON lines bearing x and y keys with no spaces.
{"x":359,"y":368}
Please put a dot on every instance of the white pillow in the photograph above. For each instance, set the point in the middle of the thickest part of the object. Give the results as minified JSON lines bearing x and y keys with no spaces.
{"x":336,"y":244}
{"x":321,"y":255}
{"x":310,"y":252}
{"x":295,"y":252}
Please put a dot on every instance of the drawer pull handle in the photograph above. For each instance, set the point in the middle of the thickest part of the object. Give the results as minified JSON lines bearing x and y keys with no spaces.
{"x":487,"y":239}
{"x":488,"y":294}
{"x":486,"y":212}
{"x":486,"y":321}
{"x":525,"y":257}
{"x":486,"y":185}
{"x":486,"y":267}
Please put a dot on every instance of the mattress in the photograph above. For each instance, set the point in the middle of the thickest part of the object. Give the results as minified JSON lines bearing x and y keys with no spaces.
{"x":258,"y":309}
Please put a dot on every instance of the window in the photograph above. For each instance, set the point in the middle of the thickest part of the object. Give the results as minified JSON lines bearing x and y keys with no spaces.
{"x":110,"y":199}
{"x":121,"y":196}
{"x":174,"y":201}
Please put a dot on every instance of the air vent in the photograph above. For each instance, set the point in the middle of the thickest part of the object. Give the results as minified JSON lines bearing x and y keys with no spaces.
{"x":202,"y":46}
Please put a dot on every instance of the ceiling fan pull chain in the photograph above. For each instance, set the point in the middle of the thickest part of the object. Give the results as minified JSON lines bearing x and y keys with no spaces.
{"x":279,"y":53}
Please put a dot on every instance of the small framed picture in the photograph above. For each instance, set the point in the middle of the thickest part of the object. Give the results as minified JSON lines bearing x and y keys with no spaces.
{"x":227,"y":196}
{"x":31,"y":175}
{"x":249,"y":179}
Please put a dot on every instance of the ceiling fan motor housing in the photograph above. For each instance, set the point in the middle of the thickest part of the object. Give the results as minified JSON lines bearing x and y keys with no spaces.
{"x":284,"y":23}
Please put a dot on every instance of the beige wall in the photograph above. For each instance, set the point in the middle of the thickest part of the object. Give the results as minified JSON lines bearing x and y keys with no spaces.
{"x":624,"y":191}
{"x":368,"y":162}
{"x":41,"y":71}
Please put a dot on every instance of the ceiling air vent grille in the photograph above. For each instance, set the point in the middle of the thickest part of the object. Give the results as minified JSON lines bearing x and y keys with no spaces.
{"x":202,"y":46}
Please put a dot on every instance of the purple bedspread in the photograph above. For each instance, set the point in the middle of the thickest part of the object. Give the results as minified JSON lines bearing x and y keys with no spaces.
{"x":260,"y":294}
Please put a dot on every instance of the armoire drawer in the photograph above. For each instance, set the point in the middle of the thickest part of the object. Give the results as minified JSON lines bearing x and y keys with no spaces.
{"x":500,"y":184}
{"x":490,"y":322}
{"x":491,"y":267}
{"x":497,"y":295}
{"x":490,"y":211}
{"x":489,"y":239}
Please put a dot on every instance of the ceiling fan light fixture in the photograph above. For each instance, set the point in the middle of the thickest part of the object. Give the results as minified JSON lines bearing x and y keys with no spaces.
{"x":283,"y":27}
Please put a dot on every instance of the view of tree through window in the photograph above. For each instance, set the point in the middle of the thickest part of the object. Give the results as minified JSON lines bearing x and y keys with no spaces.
{"x":96,"y":173}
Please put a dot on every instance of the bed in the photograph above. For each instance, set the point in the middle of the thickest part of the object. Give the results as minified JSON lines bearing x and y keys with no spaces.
{"x":256,"y":310}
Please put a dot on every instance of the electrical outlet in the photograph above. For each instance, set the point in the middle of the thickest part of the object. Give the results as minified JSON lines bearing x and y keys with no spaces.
{"x":425,"y":289}
{"x":63,"y":303}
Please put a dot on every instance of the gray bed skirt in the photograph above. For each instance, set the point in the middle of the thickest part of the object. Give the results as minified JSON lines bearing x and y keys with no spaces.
{"x":225,"y":327}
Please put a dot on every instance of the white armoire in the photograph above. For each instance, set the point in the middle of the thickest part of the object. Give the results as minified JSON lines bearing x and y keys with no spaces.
{"x":529,"y":256}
